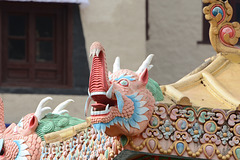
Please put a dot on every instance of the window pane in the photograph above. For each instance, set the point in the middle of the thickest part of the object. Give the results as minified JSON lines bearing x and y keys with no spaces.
{"x":44,"y":26}
{"x":44,"y":51}
{"x":16,"y":25}
{"x":16,"y":49}
{"x":238,"y":12}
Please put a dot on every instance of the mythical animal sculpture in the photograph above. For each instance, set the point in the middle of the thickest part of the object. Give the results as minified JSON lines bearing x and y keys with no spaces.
{"x":19,"y":141}
{"x":123,"y":104}
{"x":196,"y":117}
{"x":199,"y":114}
{"x":53,"y":135}
{"x":23,"y":141}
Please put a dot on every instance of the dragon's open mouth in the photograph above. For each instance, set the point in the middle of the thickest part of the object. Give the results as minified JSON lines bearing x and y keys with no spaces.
{"x":101,"y":109}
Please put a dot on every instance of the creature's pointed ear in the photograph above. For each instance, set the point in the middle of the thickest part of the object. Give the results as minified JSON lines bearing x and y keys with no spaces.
{"x":143,"y":77}
{"x":32,"y":126}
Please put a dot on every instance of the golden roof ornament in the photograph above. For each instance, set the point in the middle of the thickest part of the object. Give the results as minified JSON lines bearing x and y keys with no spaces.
{"x":214,"y":84}
{"x":223,"y":34}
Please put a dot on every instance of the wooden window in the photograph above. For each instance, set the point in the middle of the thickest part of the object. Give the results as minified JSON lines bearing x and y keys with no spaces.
{"x":36,"y":44}
{"x":236,"y":17}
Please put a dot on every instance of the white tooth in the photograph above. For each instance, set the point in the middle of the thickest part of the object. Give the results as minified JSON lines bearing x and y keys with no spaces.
{"x":94,"y":51}
{"x":89,"y":94}
{"x":89,"y":99}
{"x":97,"y":52}
{"x":91,"y":53}
{"x":92,"y":111}
{"x":109,"y":92}
{"x":107,"y":107}
{"x":107,"y":110}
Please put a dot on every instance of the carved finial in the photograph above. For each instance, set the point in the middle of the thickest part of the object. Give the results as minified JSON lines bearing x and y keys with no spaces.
{"x":223,"y":34}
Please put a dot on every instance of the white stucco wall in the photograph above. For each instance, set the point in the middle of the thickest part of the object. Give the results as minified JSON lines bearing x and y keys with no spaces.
{"x":175,"y":29}
{"x":119,"y":26}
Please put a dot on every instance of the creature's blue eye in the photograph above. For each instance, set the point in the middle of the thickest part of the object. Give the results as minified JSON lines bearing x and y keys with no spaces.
{"x":123,"y":82}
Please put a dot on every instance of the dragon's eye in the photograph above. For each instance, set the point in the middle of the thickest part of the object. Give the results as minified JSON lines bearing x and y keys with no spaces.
{"x":123,"y":82}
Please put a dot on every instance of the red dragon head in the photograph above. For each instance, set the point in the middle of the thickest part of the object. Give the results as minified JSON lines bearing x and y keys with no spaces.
{"x":123,"y":104}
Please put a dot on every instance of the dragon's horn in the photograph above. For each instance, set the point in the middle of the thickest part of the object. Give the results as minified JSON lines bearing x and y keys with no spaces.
{"x":116,"y":65}
{"x":41,"y":110}
{"x":60,"y":108}
{"x":145,"y":64}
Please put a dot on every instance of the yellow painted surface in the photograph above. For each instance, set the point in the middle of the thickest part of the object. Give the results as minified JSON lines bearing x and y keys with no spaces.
{"x":201,"y":97}
{"x":216,"y":86}
{"x":230,"y":79}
